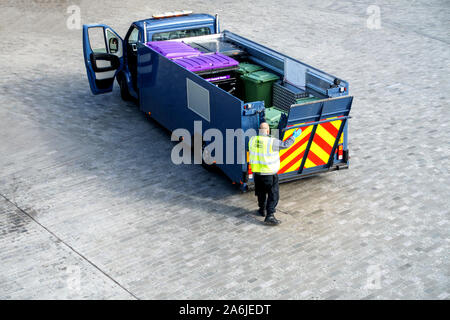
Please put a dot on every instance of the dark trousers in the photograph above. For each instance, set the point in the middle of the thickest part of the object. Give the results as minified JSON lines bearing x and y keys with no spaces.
{"x":267,"y":191}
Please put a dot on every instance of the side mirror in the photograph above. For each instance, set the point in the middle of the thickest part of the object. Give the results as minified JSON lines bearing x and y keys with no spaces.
{"x":113,"y":45}
{"x":102,"y":62}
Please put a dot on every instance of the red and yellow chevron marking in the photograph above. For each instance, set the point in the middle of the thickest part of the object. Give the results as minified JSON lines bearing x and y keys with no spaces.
{"x":290,"y":158}
{"x":319,"y":153}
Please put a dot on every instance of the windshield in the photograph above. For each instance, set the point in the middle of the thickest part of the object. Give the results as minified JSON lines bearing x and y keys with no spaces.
{"x":177,"y":34}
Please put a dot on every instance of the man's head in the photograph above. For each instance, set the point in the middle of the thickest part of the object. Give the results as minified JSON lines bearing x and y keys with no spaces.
{"x":264,"y":128}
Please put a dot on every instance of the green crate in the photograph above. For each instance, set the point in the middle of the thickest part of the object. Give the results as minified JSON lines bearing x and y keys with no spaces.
{"x":258,"y":86}
{"x":273,"y":116}
{"x":305,"y":100}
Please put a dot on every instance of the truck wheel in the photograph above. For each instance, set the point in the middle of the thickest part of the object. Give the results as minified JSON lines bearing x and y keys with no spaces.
{"x":124,"y":89}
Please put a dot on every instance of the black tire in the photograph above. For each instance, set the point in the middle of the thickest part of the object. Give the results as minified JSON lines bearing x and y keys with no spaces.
{"x":124,"y":89}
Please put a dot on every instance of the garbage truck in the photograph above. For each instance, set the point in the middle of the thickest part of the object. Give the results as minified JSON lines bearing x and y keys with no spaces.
{"x":186,"y":73}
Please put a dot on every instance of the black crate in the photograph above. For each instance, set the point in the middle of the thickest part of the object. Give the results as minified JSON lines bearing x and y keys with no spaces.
{"x":285,"y":95}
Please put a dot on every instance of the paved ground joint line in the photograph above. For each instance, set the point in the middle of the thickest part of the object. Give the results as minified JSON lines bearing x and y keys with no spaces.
{"x":71,"y":248}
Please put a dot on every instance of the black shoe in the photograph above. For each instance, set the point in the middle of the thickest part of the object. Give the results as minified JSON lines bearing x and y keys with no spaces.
{"x":271,"y":220}
{"x":262,"y":212}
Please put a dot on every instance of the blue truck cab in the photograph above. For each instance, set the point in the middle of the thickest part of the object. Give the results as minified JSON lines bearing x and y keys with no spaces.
{"x":180,"y":25}
{"x":179,"y":98}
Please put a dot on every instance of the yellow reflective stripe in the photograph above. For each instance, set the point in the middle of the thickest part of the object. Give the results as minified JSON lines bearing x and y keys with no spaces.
{"x":309,"y":164}
{"x":259,"y":154}
{"x":325,"y":135}
{"x":264,"y":162}
{"x":267,"y":159}
{"x":256,"y":153}
{"x":336,"y":124}
{"x":318,"y":151}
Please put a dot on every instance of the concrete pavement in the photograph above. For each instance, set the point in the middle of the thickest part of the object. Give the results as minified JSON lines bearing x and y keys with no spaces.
{"x":91,"y":206}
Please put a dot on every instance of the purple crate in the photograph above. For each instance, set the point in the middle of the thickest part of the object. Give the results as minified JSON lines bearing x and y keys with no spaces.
{"x":173,"y":49}
{"x":205,"y":62}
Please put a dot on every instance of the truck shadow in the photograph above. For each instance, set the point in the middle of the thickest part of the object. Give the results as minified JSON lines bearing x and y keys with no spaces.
{"x":129,"y":154}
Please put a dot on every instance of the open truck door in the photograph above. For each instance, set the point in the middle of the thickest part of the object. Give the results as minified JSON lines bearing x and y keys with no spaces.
{"x":321,"y":144}
{"x":103,"y":56}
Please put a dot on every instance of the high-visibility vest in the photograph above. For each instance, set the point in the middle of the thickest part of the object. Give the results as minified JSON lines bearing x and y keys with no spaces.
{"x":263,"y":158}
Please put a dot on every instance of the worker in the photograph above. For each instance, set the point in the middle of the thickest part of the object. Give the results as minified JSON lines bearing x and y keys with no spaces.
{"x":265,"y":163}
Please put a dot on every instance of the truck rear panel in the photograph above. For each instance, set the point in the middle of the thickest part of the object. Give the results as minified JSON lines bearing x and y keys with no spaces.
{"x":318,"y":147}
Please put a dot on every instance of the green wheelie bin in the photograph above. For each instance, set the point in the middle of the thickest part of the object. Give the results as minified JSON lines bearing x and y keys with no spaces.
{"x":258,"y":86}
{"x":244,"y":68}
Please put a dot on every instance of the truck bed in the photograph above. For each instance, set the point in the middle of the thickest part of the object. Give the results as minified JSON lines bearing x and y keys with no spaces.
{"x":173,"y":96}
{"x":315,"y":81}
{"x":215,"y":43}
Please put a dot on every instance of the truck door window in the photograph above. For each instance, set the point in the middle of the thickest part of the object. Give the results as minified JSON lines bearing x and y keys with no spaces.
{"x":177,"y":34}
{"x":134,"y":36}
{"x":114,"y":45}
{"x":97,"y":40}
